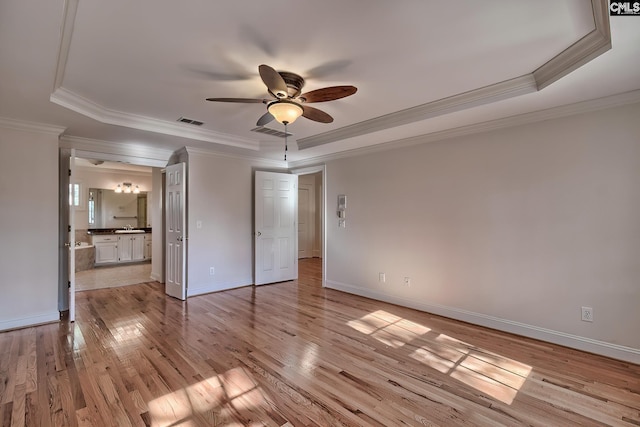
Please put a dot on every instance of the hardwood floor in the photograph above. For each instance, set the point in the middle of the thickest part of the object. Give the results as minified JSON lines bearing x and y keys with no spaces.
{"x":295,"y":354}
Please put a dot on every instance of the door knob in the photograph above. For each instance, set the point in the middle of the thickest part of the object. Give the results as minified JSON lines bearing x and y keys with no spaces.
{"x":258,"y":234}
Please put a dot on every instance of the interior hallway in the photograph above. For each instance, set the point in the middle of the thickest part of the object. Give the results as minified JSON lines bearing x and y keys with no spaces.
{"x":293,"y":354}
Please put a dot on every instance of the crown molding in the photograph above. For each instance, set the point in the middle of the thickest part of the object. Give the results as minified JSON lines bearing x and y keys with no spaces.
{"x":584,"y":50}
{"x":22,"y":125}
{"x":117,"y":151}
{"x":66,"y":98}
{"x":66,"y":34}
{"x":583,"y":107}
{"x":496,"y":92}
{"x":74,"y":102}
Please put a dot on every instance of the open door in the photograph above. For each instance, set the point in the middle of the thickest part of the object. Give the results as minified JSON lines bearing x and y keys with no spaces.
{"x":176,"y":239}
{"x":276,"y":254}
{"x":74,"y":197}
{"x":66,"y":239}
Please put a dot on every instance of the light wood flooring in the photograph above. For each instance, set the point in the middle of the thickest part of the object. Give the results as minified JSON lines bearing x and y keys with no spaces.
{"x":295,"y":354}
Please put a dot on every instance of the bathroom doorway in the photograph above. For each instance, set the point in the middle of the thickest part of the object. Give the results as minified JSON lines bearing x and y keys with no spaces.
{"x":113,"y":224}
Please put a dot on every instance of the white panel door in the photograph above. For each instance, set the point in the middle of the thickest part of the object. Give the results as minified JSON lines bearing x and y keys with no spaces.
{"x":175,"y":190}
{"x":275,"y":227}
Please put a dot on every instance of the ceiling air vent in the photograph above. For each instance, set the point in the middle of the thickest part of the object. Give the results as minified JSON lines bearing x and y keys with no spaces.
{"x":190,"y":121}
{"x":272,"y":132}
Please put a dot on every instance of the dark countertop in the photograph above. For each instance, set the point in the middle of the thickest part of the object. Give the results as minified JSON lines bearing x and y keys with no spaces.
{"x":99,"y":231}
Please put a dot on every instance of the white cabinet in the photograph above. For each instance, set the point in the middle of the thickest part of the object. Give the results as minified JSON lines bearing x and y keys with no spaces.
{"x":137,"y":247}
{"x":124,"y":248}
{"x":106,"y":249}
{"x":121,"y":248}
{"x":147,"y":246}
{"x":130,"y":247}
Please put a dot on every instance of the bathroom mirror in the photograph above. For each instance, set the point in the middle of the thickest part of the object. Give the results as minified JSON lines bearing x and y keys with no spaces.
{"x":108,"y":209}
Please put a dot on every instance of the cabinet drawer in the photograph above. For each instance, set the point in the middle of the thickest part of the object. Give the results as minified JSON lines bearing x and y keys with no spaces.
{"x":105,"y":238}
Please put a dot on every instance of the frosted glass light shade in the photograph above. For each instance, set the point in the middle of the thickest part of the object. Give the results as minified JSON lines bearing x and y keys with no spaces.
{"x":285,"y":111}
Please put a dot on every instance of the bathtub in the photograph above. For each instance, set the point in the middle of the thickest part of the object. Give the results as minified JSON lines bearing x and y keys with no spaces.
{"x":85,"y":255}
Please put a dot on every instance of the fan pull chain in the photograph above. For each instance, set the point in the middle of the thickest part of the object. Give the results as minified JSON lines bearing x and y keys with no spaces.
{"x":285,"y":142}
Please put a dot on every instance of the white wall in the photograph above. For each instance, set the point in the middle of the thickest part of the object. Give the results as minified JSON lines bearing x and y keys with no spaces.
{"x":220,"y":197}
{"x":514,"y":229}
{"x":29,"y":227}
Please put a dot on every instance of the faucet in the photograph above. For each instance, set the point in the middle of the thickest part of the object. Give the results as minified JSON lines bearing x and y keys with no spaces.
{"x":128,"y":227}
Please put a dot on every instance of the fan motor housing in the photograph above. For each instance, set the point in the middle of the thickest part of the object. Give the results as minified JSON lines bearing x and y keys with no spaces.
{"x":294,"y":82}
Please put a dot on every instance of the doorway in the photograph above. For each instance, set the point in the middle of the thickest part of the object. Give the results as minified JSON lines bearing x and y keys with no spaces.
{"x":311,"y":218}
{"x":112,"y":196}
{"x":93,"y":170}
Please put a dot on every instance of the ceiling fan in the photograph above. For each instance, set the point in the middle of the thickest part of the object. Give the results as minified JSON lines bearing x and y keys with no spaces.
{"x":288,"y":103}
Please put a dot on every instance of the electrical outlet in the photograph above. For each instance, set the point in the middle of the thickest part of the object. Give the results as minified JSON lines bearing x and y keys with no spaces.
{"x":407,"y":281}
{"x":587,"y":314}
{"x":212,"y":271}
{"x":381,"y":277}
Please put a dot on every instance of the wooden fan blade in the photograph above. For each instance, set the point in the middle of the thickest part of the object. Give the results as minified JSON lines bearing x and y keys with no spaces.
{"x":315,"y":114}
{"x":241,"y":100}
{"x":266,"y":118}
{"x":328,"y":93}
{"x":274,"y":81}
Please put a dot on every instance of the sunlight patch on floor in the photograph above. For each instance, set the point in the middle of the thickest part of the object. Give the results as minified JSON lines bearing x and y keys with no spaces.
{"x":221,"y":400}
{"x":492,"y":374}
{"x":387,"y":328}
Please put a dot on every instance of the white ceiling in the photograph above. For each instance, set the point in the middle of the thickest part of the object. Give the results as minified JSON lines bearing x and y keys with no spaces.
{"x":124,"y":72}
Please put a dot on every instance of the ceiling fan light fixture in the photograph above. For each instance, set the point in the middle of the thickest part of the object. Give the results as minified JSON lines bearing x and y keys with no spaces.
{"x":285,"y":111}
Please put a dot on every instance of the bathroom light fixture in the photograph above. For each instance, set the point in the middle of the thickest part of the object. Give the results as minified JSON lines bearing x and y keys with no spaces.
{"x":127,"y":187}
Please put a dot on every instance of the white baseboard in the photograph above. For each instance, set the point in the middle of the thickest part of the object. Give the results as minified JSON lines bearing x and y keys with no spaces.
{"x":207,"y":288}
{"x":156,"y":278}
{"x":627,"y":354}
{"x":24,"y":322}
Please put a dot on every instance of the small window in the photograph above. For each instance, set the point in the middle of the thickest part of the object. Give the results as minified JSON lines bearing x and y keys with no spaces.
{"x":75,"y":195}
{"x":91,"y":207}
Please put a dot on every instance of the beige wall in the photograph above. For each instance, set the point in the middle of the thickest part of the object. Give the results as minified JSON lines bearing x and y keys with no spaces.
{"x":29,"y":227}
{"x":515,"y":229}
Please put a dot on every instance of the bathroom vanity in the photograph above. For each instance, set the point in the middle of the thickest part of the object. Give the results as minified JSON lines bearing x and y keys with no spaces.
{"x":121,"y":246}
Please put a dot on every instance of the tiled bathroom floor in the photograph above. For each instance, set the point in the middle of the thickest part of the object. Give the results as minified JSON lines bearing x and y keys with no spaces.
{"x":111,"y":277}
